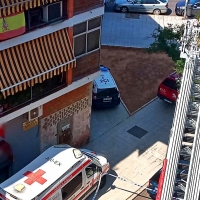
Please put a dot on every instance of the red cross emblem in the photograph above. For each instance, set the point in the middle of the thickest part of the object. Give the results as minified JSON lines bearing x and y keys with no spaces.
{"x":35,"y":177}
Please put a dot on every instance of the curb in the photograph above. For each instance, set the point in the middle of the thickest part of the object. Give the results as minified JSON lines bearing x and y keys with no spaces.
{"x":144,"y":105}
{"x":138,"y":108}
{"x":125,"y":106}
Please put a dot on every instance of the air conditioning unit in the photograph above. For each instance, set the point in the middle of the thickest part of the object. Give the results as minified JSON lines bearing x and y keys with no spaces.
{"x":52,"y":11}
{"x":35,"y":113}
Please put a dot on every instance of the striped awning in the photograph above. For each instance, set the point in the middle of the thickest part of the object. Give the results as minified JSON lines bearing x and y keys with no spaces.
{"x":33,"y":62}
{"x":8,"y":7}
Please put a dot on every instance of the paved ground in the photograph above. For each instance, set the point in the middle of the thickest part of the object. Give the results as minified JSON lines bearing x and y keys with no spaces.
{"x":142,"y":196}
{"x":103,"y":120}
{"x":117,"y":30}
{"x":132,"y":158}
{"x":171,"y":5}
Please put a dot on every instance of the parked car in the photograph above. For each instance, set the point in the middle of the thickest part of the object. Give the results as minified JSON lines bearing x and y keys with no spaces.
{"x":168,"y":89}
{"x":146,"y":6}
{"x":180,"y":6}
{"x":153,"y":184}
{"x":105,"y":92}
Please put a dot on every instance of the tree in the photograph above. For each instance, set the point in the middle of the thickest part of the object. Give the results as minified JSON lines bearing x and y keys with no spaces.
{"x":167,"y":40}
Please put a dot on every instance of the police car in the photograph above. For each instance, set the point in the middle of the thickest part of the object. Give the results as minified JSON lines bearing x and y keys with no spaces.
{"x":105,"y":91}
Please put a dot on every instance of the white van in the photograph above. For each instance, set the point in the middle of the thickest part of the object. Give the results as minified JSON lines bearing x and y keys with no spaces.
{"x":60,"y":173}
{"x":105,"y":92}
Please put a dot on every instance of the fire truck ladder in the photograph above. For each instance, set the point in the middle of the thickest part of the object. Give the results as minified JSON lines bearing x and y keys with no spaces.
{"x":182,"y":175}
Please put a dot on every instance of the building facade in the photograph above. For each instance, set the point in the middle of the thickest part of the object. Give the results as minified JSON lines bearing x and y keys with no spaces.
{"x":49,"y":57}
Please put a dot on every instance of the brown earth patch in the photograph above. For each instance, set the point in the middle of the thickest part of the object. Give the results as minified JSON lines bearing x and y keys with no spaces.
{"x":136,"y":73}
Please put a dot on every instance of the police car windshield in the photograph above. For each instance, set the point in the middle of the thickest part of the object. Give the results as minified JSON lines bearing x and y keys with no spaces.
{"x":107,"y":92}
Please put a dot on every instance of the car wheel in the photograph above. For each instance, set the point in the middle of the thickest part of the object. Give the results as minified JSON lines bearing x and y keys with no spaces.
{"x":156,"y":12}
{"x":103,"y":182}
{"x":182,"y":13}
{"x":124,"y":9}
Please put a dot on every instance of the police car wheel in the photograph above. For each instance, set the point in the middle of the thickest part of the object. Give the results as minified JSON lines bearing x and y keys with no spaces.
{"x":103,"y":182}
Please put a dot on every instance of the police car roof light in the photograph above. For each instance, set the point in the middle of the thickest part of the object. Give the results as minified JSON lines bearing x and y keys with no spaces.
{"x":105,"y":69}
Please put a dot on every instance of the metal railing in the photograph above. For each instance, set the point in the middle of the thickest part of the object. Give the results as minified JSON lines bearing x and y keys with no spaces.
{"x":183,"y":170}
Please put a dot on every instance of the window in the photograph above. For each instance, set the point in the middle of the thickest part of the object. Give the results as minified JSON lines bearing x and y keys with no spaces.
{"x":93,"y":40}
{"x":54,"y":11}
{"x":34,"y":17}
{"x":150,"y":2}
{"x":80,"y":28}
{"x":80,"y":48}
{"x":70,"y":188}
{"x":94,"y":23}
{"x":91,"y":170}
{"x":139,"y":2}
{"x":39,"y":16}
{"x":87,"y":36}
{"x":107,"y":92}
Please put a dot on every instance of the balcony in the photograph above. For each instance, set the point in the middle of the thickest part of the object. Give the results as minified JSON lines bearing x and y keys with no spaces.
{"x":42,"y":16}
{"x":22,"y":22}
{"x":31,"y":94}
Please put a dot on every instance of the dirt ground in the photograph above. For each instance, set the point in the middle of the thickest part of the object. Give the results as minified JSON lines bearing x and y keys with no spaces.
{"x":136,"y":73}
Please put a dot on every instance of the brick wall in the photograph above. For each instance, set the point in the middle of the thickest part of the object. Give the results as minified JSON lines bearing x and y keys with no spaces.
{"x":86,"y":65}
{"x":65,"y":100}
{"x":70,"y":8}
{"x":70,"y":33}
{"x":85,"y":5}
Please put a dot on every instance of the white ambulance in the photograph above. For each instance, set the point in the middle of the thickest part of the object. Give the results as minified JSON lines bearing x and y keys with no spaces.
{"x":60,"y":173}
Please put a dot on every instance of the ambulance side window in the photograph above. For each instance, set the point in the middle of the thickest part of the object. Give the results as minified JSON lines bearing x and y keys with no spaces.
{"x":91,"y":170}
{"x":73,"y":186}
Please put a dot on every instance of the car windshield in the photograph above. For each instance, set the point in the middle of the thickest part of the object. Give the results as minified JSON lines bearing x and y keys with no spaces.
{"x":107,"y":92}
{"x":170,"y":83}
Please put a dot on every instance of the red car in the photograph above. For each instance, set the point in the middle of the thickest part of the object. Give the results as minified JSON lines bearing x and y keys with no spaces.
{"x":168,"y":89}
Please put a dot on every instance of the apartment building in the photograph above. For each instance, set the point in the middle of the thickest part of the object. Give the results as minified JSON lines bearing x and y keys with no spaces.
{"x":49,"y":56}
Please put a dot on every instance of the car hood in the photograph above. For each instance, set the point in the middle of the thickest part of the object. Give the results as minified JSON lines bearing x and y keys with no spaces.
{"x":180,"y":4}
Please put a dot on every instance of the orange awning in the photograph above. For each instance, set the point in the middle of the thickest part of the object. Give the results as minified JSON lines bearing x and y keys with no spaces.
{"x":35,"y":61}
{"x":8,"y":7}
